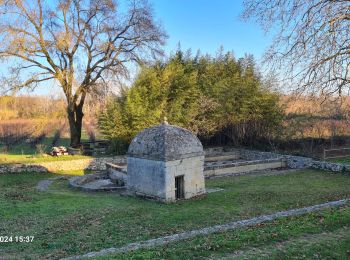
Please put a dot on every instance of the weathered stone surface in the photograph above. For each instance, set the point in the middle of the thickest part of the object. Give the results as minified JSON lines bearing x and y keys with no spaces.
{"x":165,"y":143}
{"x":151,"y":178}
{"x":45,"y":184}
{"x":256,"y":155}
{"x":298,"y":162}
{"x":220,"y":153}
{"x":334,"y":167}
{"x":117,"y":173}
{"x":158,"y":155}
{"x":146,"y":177}
{"x":94,"y":182}
{"x":94,"y":164}
{"x":20,"y":168}
{"x":223,"y":169}
{"x":294,"y":162}
{"x":99,"y":184}
{"x":221,"y":157}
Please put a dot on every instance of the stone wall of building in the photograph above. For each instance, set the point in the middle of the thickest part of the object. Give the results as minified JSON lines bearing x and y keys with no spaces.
{"x":192,"y":170}
{"x":156,"y":179}
{"x":146,"y":177}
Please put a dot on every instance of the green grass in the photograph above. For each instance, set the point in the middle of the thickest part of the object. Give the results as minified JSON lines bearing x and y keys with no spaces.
{"x":26,"y":149}
{"x":319,"y":235}
{"x":22,"y":149}
{"x":15,"y":158}
{"x":345,"y":160}
{"x":68,"y":222}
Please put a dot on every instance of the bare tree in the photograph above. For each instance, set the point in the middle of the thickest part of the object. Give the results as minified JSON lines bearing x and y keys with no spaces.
{"x":81,"y":45}
{"x":311,"y":48}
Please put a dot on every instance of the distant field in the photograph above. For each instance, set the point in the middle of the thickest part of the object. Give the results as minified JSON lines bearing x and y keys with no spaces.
{"x":31,"y":136}
{"x":21,"y":139}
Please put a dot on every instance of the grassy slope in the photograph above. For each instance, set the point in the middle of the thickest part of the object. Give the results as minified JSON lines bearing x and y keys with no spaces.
{"x":66,"y":222}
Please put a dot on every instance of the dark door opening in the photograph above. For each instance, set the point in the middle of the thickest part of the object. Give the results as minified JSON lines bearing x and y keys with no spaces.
{"x":179,"y":187}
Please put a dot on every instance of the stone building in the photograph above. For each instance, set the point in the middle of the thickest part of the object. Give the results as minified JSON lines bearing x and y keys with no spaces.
{"x":165,"y":162}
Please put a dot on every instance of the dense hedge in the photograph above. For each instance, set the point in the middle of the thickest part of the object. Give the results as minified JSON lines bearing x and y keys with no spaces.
{"x":204,"y":94}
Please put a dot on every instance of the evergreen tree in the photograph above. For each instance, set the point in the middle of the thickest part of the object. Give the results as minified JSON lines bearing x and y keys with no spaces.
{"x":204,"y":94}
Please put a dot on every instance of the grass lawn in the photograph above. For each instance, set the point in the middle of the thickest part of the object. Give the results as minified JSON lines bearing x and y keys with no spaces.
{"x":16,"y":158}
{"x":24,"y":150}
{"x":28,"y":149}
{"x":67,"y":222}
{"x":320,"y":235}
{"x":345,"y":160}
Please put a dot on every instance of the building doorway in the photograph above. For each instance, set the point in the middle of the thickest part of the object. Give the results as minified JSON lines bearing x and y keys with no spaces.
{"x":179,"y":187}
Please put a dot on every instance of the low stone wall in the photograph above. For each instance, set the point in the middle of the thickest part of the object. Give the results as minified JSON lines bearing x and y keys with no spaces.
{"x":93,"y":164}
{"x":218,"y":151}
{"x":99,"y":164}
{"x":117,"y":173}
{"x":257,"y":155}
{"x":19,"y":168}
{"x":298,"y":162}
{"x":334,"y":167}
{"x":243,"y":167}
{"x":223,"y":157}
{"x":291,"y":161}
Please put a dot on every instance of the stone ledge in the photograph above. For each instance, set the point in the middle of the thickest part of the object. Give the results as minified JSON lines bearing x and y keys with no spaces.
{"x":244,"y":163}
{"x":100,"y":164}
{"x":20,"y":168}
{"x":94,"y":164}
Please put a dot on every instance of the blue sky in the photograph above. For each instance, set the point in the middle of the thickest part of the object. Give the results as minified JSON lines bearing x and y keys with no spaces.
{"x":204,"y":25}
{"x":208,"y":24}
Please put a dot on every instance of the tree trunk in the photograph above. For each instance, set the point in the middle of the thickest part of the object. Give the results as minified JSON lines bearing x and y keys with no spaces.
{"x":75,"y":118}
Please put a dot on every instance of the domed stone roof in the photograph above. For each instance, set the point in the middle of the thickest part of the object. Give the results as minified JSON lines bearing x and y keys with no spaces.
{"x":165,"y":143}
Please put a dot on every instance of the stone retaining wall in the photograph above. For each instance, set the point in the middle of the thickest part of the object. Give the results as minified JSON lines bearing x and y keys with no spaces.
{"x":334,"y":167}
{"x":294,"y":162}
{"x":94,"y":164}
{"x":19,"y":168}
{"x":99,"y":164}
{"x":243,"y":167}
